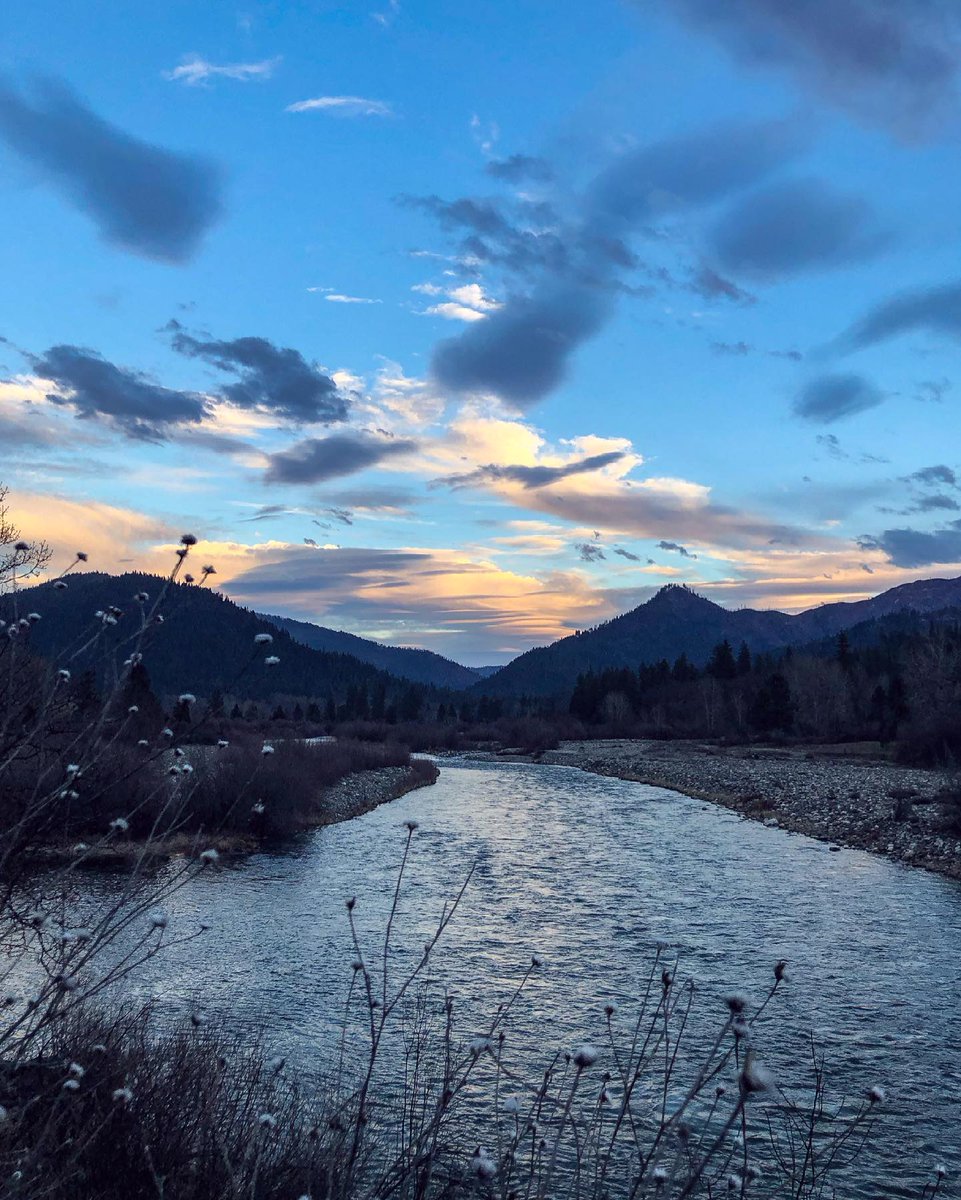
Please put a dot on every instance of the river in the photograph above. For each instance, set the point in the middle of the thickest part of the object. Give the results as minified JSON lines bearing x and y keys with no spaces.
{"x":593,"y":873}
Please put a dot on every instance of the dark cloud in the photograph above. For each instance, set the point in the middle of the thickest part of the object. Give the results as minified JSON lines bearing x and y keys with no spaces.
{"x":627,"y":554}
{"x":793,"y":226}
{"x":731,"y":349}
{"x":316,"y":459}
{"x":94,"y":387}
{"x":831,"y":397}
{"x":676,"y":548}
{"x":589,"y":552}
{"x":520,"y":167}
{"x":274,"y":378}
{"x":711,"y":285}
{"x":793,"y":355}
{"x":933,"y":310}
{"x":934,"y":476}
{"x":938,"y":502}
{"x":690,"y":171}
{"x":533,"y":477}
{"x":146,"y":199}
{"x":917,"y":548}
{"x":889,"y":62}
{"x":522,"y":351}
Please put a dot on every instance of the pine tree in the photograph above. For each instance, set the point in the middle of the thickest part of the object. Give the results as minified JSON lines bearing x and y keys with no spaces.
{"x":722,"y":664}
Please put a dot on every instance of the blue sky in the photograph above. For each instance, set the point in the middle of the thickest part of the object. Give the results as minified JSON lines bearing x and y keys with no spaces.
{"x":467,"y":326}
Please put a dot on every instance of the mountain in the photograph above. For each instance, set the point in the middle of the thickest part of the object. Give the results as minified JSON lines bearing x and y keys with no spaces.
{"x":678,"y":621}
{"x":205,"y":643}
{"x":420,"y":666}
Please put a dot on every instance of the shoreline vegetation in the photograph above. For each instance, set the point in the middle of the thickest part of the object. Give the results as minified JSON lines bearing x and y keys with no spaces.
{"x":847,"y":795}
{"x":350,"y":797}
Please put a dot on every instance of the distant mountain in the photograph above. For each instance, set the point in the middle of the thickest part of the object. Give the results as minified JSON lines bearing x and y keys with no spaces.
{"x":420,"y":666}
{"x":678,"y":621}
{"x":486,"y":672}
{"x":205,"y":643}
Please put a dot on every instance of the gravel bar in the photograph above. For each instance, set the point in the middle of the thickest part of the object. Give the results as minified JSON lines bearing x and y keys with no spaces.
{"x":861,"y":802}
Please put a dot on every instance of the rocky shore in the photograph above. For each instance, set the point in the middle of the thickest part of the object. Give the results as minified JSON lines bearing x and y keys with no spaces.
{"x":834,"y":794}
{"x":366,"y":790}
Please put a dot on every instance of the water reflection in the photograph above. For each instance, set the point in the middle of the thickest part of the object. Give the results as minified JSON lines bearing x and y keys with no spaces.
{"x":593,"y":873}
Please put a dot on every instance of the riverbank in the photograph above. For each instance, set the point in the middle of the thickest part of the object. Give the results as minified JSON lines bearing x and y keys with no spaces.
{"x":833,"y":794}
{"x":350,"y":797}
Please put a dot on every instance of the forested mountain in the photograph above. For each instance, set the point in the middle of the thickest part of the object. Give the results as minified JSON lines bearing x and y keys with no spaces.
{"x":205,"y":643}
{"x":404,"y":662}
{"x":678,"y":621}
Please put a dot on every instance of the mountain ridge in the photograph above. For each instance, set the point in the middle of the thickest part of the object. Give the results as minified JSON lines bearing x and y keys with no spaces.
{"x":677,"y":620}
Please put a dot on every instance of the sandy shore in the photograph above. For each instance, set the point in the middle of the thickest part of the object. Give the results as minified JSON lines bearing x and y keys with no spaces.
{"x":839,"y":797}
{"x":351,"y":797}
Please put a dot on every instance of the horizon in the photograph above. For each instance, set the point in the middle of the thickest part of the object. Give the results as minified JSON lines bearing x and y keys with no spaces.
{"x":465,"y":334}
{"x":268,"y":616}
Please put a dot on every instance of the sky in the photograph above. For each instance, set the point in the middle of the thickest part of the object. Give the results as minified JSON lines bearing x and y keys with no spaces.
{"x":467,"y":326}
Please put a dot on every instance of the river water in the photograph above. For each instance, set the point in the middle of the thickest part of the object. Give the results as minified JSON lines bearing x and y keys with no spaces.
{"x":593,"y":874}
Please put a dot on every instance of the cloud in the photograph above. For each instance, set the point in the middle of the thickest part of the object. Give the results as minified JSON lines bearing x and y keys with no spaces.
{"x":934,"y":476}
{"x":273,"y":378}
{"x":831,"y":397}
{"x":915,"y":548}
{"x":934,"y":310}
{"x":793,"y":226}
{"x":627,"y":554}
{"x":831,"y":444}
{"x":466,"y":302}
{"x":732,"y":349}
{"x":522,"y":351}
{"x":150,"y":201}
{"x":455,"y":602}
{"x":94,"y":387}
{"x":195,"y":71}
{"x":676,"y":548}
{"x":343,"y":106}
{"x":314,"y":460}
{"x":520,"y":167}
{"x":711,"y":285}
{"x":340,"y":298}
{"x":890,"y":64}
{"x":589,"y":552}
{"x":933,"y":390}
{"x":535,"y":476}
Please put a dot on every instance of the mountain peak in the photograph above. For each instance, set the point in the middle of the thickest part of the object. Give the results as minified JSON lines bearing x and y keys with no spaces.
{"x":680,"y":597}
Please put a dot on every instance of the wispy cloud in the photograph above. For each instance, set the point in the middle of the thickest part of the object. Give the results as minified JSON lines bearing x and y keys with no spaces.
{"x":340,"y":298}
{"x":343,"y":106}
{"x":195,"y":71}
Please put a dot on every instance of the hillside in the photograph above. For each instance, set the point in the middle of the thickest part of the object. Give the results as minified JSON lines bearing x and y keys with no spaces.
{"x":403,"y":662}
{"x":678,"y":621}
{"x":205,"y":643}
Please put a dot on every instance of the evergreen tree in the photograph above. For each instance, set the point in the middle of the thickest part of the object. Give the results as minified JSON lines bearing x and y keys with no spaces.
{"x":744,"y":660}
{"x":235,"y":713}
{"x":313,"y":712}
{"x":722,"y":664}
{"x":773,"y":707}
{"x":842,"y":651}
